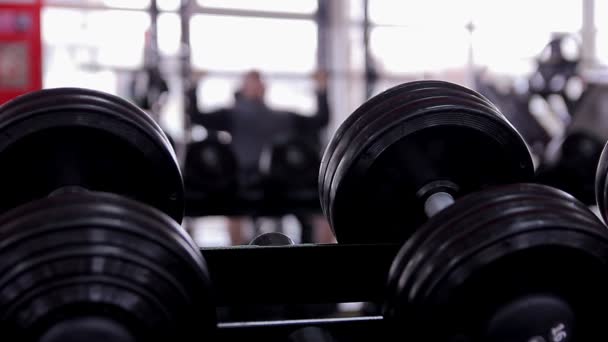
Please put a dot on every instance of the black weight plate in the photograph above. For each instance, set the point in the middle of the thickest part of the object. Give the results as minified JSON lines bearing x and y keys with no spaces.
{"x":87,"y":295}
{"x":496,"y":237}
{"x":601,"y":185}
{"x":464,"y":144}
{"x":566,"y":252}
{"x":576,"y":167}
{"x":508,"y":201}
{"x":416,"y":99}
{"x":345,"y":126}
{"x":96,"y":222}
{"x":465,"y":207}
{"x":411,"y":92}
{"x":94,"y":230}
{"x":100,"y":141}
{"x":474,"y":233}
{"x":380,"y":102}
{"x":90,"y":259}
{"x":497,"y":275}
{"x":411,"y":260}
{"x":289,"y":165}
{"x":400,"y":110}
{"x":383,"y":102}
{"x":578,"y":217}
{"x":100,"y":210}
{"x":210,"y":167}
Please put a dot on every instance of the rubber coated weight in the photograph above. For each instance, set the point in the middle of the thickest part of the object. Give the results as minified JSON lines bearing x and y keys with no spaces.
{"x":378,"y":103}
{"x":102,"y":256}
{"x":288,"y":166}
{"x":365,"y":138}
{"x":416,"y":93}
{"x":441,"y":136}
{"x":448,"y":273}
{"x":211,"y":167}
{"x":601,"y":184}
{"x":75,"y":137}
{"x":574,"y":170}
{"x":465,"y":212}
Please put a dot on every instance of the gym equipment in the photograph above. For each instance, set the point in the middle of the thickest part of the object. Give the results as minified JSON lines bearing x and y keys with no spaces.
{"x":601,"y":184}
{"x":211,"y":168}
{"x":70,"y":137}
{"x":288,"y":166}
{"x":557,"y":72}
{"x":88,"y":248}
{"x":310,"y":334}
{"x":400,"y":148}
{"x":494,"y":252}
{"x":274,"y":311}
{"x":272,"y":239}
{"x":101,"y":266}
{"x":575,"y":168}
{"x":513,"y":240}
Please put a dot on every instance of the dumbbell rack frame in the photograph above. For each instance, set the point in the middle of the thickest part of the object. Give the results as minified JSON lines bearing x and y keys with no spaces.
{"x":300,"y":274}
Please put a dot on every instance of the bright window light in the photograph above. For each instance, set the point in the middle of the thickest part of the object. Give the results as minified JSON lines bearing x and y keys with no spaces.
{"x":412,"y":50}
{"x":227,"y":43}
{"x":300,"y":6}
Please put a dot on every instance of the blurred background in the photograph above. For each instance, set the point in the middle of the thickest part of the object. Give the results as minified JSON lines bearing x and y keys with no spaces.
{"x":189,"y":64}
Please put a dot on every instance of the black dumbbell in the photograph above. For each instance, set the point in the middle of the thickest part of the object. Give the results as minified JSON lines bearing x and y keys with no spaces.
{"x":402,"y":147}
{"x":601,"y":183}
{"x":482,"y":267}
{"x":86,"y":249}
{"x":574,"y":170}
{"x":75,"y":137}
{"x":211,"y":168}
{"x":290,"y":165}
{"x":272,"y":239}
{"x":310,"y":334}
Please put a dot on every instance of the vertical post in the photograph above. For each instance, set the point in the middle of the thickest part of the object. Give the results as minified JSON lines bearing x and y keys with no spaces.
{"x":588,"y":35}
{"x":153,"y":55}
{"x":185,"y":12}
{"x":347,"y":90}
{"x":370,"y":70}
{"x":470,"y":71}
{"x":323,"y":39}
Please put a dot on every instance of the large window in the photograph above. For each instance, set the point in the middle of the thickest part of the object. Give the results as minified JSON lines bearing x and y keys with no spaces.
{"x":83,"y":40}
{"x":164,"y":5}
{"x":601,"y":24}
{"x":282,"y":49}
{"x":274,"y":45}
{"x":510,"y":34}
{"x":434,"y":35}
{"x":300,"y":6}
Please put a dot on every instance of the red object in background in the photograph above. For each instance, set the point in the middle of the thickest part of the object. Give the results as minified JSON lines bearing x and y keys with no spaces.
{"x":20,"y":48}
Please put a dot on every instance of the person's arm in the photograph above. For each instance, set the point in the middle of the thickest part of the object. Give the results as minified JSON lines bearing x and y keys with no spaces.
{"x":321,"y":117}
{"x":218,"y":120}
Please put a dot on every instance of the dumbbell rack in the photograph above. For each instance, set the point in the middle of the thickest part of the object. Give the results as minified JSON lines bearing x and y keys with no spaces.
{"x":92,"y":251}
{"x":300,"y":274}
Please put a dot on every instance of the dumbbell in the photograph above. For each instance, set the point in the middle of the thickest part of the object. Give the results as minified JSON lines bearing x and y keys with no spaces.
{"x":486,"y":258}
{"x":289,"y":165}
{"x":575,"y":168}
{"x":211,"y":167}
{"x":310,"y":334}
{"x":404,"y":145}
{"x":91,"y":243}
{"x":81,"y":138}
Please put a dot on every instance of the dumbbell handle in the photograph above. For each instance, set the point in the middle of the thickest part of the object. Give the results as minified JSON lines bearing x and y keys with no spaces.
{"x":437,"y":202}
